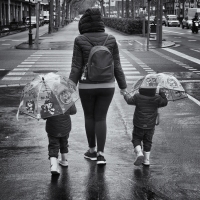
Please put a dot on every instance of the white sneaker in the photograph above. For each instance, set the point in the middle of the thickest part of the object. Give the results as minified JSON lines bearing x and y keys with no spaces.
{"x":146,"y":161}
{"x":64,"y":163}
{"x":54,"y":166}
{"x":139,"y":156}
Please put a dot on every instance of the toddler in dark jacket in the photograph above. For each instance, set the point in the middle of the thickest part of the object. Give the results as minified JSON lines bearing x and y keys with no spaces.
{"x":147,"y":103}
{"x":58,"y":129}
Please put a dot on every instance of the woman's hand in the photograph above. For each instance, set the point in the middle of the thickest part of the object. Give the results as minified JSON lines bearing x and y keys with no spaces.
{"x":123,"y":91}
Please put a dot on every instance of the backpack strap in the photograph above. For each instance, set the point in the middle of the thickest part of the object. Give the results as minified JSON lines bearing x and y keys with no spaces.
{"x":106,"y":40}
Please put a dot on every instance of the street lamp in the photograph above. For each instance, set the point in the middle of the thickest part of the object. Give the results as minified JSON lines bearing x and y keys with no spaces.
{"x":30,"y":30}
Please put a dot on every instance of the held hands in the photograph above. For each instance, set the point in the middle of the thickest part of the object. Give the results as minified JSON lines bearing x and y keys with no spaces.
{"x":123,"y":92}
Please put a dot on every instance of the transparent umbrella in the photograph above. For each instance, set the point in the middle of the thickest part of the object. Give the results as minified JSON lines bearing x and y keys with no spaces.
{"x":47,"y":95}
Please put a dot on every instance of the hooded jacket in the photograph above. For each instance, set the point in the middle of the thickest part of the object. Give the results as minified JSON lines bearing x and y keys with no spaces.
{"x":146,"y":110}
{"x":92,"y":26}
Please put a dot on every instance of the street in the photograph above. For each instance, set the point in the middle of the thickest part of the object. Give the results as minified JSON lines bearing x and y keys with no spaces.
{"x":174,"y":172}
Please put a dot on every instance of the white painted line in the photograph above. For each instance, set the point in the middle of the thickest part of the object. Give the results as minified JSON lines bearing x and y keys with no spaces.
{"x":130,"y":43}
{"x":130,"y":68}
{"x":177,"y":41}
{"x":189,"y":81}
{"x":118,"y":43}
{"x":192,"y":69}
{"x":131,"y":72}
{"x":192,"y":40}
{"x":16,"y":73}
{"x":24,"y":66}
{"x":173,"y":32}
{"x":195,"y":50}
{"x":11,"y":78}
{"x":27,"y":63}
{"x":194,"y":100}
{"x":192,"y":59}
{"x":2,"y":69}
{"x":149,"y":70}
{"x":125,"y":62}
{"x":139,"y":42}
{"x":5,"y":44}
{"x":21,"y":69}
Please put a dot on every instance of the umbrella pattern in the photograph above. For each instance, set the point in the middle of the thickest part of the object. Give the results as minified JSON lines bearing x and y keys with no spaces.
{"x":47,"y":95}
{"x":166,"y":82}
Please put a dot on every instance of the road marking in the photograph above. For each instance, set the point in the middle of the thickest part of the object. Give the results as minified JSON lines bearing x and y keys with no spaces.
{"x":195,"y":50}
{"x":145,"y":67}
{"x":192,"y":40}
{"x":173,"y":32}
{"x":139,"y":42}
{"x":194,"y":100}
{"x":5,"y":44}
{"x":190,"y":58}
{"x":118,"y":43}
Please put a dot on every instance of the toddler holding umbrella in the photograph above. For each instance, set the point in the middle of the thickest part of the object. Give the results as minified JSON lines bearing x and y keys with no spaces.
{"x":147,"y":103}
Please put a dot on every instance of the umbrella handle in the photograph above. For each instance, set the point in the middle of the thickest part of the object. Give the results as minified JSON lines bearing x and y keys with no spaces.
{"x":158,"y":119}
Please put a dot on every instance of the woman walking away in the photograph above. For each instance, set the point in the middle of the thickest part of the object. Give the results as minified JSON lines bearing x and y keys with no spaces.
{"x":96,"y":75}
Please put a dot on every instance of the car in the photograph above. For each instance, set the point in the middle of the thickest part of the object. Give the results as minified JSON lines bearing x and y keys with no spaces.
{"x":76,"y":18}
{"x":172,"y":20}
{"x":41,"y":21}
{"x":46,"y":19}
{"x":186,"y":23}
{"x":163,"y":20}
{"x":151,"y":19}
{"x":33,"y":21}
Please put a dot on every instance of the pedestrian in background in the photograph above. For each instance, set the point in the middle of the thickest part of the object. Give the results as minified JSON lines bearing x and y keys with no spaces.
{"x":95,"y":96}
{"x":58,"y":128}
{"x":147,"y":103}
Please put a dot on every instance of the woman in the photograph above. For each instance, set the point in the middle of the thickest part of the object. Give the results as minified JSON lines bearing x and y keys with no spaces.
{"x":95,"y":96}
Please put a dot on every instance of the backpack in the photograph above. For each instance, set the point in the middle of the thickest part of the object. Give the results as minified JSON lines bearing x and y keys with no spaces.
{"x":100,"y":65}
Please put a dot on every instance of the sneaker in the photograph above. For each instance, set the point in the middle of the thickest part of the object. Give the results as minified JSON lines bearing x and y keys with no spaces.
{"x":63,"y":163}
{"x":91,"y":156}
{"x":101,"y":160}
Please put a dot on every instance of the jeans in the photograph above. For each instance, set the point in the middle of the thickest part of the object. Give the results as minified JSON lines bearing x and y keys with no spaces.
{"x":95,"y":103}
{"x":56,"y":144}
{"x":140,"y":135}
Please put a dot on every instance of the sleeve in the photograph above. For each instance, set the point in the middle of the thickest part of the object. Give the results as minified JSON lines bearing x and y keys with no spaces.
{"x":77,"y":63}
{"x":163,"y":99}
{"x":118,"y":71}
{"x":131,"y":100}
{"x":72,"y":110}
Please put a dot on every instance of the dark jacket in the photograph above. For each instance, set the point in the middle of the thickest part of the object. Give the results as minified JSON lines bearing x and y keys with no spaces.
{"x":92,"y":26}
{"x":60,"y":125}
{"x":146,"y":108}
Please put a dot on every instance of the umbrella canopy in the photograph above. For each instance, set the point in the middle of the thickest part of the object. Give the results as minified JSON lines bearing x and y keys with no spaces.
{"x":47,"y":95}
{"x":166,"y":82}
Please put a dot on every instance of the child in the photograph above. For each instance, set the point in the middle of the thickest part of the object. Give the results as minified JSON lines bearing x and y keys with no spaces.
{"x":147,"y":103}
{"x":58,"y":129}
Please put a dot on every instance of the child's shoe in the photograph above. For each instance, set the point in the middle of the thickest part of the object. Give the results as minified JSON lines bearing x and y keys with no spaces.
{"x":63,"y":160}
{"x":54,"y":166}
{"x":139,"y":156}
{"x":146,"y":158}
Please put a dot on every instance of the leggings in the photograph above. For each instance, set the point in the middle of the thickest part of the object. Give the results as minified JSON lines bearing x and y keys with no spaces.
{"x":95,"y":103}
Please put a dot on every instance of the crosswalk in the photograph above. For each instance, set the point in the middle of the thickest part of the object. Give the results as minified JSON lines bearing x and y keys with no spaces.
{"x":60,"y":61}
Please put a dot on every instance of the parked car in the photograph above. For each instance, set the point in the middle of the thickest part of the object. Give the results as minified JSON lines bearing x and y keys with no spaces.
{"x":186,"y":23}
{"x":163,"y":20}
{"x":46,"y":19}
{"x":151,"y":19}
{"x":172,"y":20}
{"x":41,"y":21}
{"x":33,"y":21}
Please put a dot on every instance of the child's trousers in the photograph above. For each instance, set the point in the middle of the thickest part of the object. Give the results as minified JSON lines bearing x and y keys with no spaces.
{"x":140,"y":135}
{"x":56,"y":144}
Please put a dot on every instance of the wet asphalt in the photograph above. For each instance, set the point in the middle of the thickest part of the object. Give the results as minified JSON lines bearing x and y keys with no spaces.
{"x":174,"y":172}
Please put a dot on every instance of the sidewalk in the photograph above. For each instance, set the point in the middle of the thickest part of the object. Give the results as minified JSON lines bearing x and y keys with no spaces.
{"x":173,"y":175}
{"x":50,"y":41}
